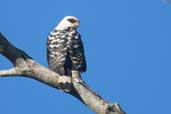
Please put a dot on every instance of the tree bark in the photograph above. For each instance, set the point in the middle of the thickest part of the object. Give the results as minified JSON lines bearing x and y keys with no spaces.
{"x":25,"y":66}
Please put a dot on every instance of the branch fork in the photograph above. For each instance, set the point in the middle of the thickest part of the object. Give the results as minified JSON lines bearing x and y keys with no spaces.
{"x":25,"y":66}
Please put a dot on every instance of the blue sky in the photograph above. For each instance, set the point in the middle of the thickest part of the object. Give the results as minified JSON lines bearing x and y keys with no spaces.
{"x":127,"y":46}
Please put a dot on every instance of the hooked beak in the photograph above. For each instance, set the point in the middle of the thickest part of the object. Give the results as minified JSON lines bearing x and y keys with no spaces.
{"x":77,"y":23}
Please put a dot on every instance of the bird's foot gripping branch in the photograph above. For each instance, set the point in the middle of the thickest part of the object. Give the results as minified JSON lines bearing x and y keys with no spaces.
{"x":25,"y":66}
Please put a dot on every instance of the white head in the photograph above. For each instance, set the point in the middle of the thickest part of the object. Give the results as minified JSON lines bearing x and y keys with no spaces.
{"x":68,"y":21}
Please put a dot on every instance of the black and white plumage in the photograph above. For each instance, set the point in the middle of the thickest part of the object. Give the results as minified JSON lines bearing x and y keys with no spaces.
{"x":65,"y":51}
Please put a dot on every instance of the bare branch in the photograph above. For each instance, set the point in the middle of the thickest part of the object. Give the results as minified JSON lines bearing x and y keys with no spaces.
{"x":25,"y":66}
{"x":10,"y":72}
{"x":95,"y":101}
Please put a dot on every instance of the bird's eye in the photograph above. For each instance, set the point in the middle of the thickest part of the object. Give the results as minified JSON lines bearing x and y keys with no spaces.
{"x":72,"y":20}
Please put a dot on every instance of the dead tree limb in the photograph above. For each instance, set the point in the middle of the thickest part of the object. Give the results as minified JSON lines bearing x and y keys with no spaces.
{"x":25,"y":66}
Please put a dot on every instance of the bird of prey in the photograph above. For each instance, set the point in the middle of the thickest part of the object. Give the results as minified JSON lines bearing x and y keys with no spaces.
{"x":65,"y":51}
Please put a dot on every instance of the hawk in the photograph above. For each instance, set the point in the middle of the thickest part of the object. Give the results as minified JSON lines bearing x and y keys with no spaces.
{"x":65,"y":51}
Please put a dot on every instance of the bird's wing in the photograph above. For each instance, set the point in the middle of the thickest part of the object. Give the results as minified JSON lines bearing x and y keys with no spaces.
{"x":56,"y":51}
